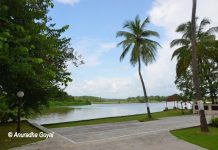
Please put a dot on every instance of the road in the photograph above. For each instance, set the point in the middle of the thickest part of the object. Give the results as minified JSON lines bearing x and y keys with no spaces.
{"x":153,"y":135}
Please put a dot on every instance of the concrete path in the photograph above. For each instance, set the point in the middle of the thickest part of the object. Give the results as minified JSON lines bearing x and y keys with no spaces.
{"x":153,"y":135}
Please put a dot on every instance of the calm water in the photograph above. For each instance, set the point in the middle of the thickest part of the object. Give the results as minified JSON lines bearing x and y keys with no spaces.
{"x":99,"y":111}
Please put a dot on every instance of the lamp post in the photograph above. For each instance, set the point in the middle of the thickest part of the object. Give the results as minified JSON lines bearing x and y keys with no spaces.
{"x":20,"y":94}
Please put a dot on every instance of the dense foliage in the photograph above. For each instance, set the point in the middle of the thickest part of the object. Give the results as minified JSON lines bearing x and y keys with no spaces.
{"x":33,"y":55}
{"x":63,"y":99}
{"x":214,"y":122}
{"x":207,"y":53}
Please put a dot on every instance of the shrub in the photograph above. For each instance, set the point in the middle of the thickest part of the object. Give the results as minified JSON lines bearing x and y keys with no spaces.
{"x":166,"y":109}
{"x":214,"y":122}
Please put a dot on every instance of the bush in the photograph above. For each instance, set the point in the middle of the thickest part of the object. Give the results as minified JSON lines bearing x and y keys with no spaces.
{"x":166,"y":109}
{"x":214,"y":122}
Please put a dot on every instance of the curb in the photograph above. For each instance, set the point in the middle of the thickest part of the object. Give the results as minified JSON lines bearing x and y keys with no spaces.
{"x":40,"y":127}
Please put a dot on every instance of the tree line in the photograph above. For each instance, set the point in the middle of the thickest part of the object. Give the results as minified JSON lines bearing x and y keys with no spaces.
{"x":66,"y":98}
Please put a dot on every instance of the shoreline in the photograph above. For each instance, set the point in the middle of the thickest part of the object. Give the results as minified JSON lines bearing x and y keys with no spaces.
{"x":136,"y":117}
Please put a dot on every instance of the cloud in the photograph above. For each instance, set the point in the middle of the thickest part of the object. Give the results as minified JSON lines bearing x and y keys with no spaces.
{"x":109,"y":87}
{"x":107,"y":46}
{"x":92,"y":50}
{"x":168,"y":14}
{"x":71,"y":2}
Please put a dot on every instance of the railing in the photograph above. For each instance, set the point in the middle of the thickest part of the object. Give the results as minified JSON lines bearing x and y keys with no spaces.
{"x":209,"y":109}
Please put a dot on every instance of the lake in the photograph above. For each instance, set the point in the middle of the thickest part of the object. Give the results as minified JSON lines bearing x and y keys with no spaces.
{"x":93,"y":111}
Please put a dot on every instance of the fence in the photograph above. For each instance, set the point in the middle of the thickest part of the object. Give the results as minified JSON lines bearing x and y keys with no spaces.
{"x":209,"y":109}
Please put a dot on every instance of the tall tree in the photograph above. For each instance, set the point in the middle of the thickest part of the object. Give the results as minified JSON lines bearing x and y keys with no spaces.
{"x":207,"y":55}
{"x":33,"y":54}
{"x":203,"y":121}
{"x":143,"y":48}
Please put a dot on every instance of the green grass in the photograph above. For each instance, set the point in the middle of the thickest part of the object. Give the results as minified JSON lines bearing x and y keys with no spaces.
{"x":140,"y":117}
{"x":110,"y":102}
{"x":171,"y":113}
{"x":6,"y":142}
{"x":120,"y":102}
{"x":195,"y":136}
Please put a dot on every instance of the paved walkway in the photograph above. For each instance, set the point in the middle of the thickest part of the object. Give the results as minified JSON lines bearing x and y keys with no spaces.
{"x":153,"y":135}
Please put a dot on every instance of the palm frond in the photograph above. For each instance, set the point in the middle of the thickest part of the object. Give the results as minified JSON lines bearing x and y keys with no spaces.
{"x":145,"y":22}
{"x":212,"y":31}
{"x":203,"y":23}
{"x":129,"y":25}
{"x":183,"y":63}
{"x":149,"y":50}
{"x":149,"y":33}
{"x":179,"y":51}
{"x":124,"y":34}
{"x":126,"y":42}
{"x":137,"y":22}
{"x":149,"y":41}
{"x":179,"y":42}
{"x":148,"y":53}
{"x":135,"y":54}
{"x":182,"y":27}
{"x":125,"y":51}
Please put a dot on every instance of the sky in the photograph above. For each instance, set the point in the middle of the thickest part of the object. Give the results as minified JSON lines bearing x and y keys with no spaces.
{"x":93,"y":26}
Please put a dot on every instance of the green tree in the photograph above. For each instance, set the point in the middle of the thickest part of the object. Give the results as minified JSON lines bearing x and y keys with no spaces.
{"x":206,"y":43}
{"x":33,"y":54}
{"x":185,"y":85}
{"x":142,"y":47}
{"x":207,"y":56}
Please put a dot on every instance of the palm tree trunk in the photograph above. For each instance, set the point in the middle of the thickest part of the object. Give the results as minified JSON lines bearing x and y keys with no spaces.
{"x":203,"y":121}
{"x":144,"y":90}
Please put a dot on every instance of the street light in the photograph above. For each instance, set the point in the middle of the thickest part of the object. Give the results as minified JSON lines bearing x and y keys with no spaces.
{"x":20,"y":95}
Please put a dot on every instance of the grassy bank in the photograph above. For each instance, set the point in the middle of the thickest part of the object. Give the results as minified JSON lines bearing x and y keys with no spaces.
{"x":195,"y":136}
{"x":121,"y":102}
{"x":140,"y":117}
{"x":111,"y":102}
{"x":6,"y":142}
{"x":68,"y":102}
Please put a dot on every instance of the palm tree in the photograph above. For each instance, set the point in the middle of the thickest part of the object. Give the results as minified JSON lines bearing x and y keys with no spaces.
{"x":203,"y":121}
{"x":189,"y":42}
{"x":205,"y":39}
{"x":142,"y":47}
